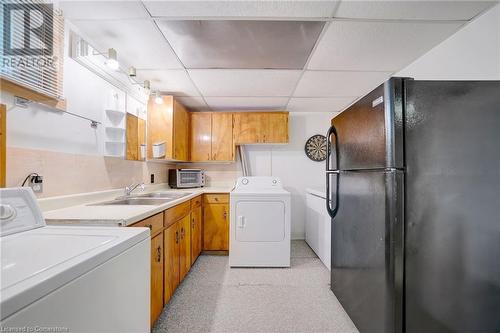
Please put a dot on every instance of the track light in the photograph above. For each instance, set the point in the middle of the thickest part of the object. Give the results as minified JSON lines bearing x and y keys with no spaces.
{"x":132,"y":72}
{"x":158,"y":98}
{"x":147,"y":87}
{"x":112,"y":61}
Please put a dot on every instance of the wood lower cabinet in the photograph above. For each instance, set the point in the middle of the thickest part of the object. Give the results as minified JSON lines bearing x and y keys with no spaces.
{"x":216,"y":222}
{"x":196,"y":229}
{"x":156,"y":277}
{"x":155,"y":224}
{"x":184,"y":226}
{"x":171,"y":258}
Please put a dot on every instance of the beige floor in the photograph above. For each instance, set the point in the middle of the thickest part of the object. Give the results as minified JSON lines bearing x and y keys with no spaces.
{"x":216,"y":298}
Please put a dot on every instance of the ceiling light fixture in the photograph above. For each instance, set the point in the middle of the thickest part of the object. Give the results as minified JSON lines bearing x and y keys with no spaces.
{"x":147,"y":87}
{"x":132,"y":72}
{"x":112,"y":61}
{"x":158,"y":98}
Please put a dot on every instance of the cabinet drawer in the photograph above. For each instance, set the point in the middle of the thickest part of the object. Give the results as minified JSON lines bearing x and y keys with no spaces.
{"x":196,"y":202}
{"x":154,"y":223}
{"x":216,"y":198}
{"x":176,"y":213}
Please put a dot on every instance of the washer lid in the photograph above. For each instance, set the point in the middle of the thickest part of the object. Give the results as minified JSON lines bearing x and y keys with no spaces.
{"x":19,"y":211}
{"x":36,"y":262}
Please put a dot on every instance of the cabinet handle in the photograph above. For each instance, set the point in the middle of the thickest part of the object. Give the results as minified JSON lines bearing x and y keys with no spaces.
{"x":158,"y":254}
{"x":224,"y":215}
{"x":182,"y":233}
{"x":149,"y":226}
{"x":192,"y":223}
{"x":176,"y":237}
{"x":216,"y":199}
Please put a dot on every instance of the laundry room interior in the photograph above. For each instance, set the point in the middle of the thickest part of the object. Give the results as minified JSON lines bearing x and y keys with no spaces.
{"x":250,"y":166}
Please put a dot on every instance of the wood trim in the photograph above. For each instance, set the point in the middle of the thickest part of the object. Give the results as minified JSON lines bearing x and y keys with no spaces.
{"x":3,"y":144}
{"x":18,"y":90}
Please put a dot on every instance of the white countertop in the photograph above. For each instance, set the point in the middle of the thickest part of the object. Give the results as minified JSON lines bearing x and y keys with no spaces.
{"x":116,"y":215}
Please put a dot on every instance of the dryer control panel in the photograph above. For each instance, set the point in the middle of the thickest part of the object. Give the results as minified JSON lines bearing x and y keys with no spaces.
{"x":258,"y":183}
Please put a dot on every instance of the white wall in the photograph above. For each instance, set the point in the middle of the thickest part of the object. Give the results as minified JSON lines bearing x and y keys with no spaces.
{"x":473,"y":53}
{"x":290,"y":163}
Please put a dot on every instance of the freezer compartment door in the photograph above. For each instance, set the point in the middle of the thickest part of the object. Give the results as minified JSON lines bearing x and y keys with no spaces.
{"x":367,"y":249}
{"x":369,"y":133}
{"x":453,"y":211}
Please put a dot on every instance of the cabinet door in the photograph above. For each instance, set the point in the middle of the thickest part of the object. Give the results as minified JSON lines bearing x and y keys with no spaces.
{"x":195,"y":233}
{"x":277,"y":128}
{"x":222,"y":137}
{"x":184,"y":227}
{"x":156,"y":277}
{"x":201,"y":134}
{"x":181,"y":132}
{"x":216,"y":227}
{"x":132,"y":137}
{"x":160,"y":125}
{"x":171,"y":245}
{"x":249,"y":127}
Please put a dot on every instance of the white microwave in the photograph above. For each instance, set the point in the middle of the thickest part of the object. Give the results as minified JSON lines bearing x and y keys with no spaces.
{"x":186,"y":178}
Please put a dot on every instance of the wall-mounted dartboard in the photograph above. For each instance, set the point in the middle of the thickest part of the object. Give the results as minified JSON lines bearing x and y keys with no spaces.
{"x":316,"y":148}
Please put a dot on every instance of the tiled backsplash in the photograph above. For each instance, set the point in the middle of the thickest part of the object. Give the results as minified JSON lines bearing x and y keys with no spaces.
{"x":65,"y":173}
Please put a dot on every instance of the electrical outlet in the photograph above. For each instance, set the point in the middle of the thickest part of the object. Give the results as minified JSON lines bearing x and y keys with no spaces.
{"x":152,"y":178}
{"x":36,"y":183}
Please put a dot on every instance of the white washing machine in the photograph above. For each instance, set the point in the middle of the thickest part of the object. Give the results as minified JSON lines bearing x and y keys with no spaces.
{"x":76,"y":279}
{"x":260,"y":223}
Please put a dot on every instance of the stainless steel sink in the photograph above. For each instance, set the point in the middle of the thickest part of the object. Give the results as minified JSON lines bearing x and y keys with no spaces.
{"x":133,"y":201}
{"x":166,"y":195}
{"x":150,"y":199}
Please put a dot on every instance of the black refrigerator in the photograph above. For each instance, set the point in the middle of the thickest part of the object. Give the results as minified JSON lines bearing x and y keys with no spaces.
{"x":413,"y":189}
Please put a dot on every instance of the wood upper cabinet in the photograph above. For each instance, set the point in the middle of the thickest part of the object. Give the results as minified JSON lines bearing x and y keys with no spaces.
{"x":216,"y":222}
{"x":196,"y":229}
{"x":156,"y":277}
{"x":277,"y":128}
{"x":211,"y":136}
{"x":201,"y":136}
{"x":171,"y":245}
{"x":260,"y":127}
{"x":168,"y":124}
{"x":222,"y":137}
{"x":184,"y":227}
{"x":248,"y":127}
{"x":181,"y":132}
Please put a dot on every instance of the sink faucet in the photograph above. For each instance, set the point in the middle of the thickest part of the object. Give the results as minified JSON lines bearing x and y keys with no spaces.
{"x":129,"y":189}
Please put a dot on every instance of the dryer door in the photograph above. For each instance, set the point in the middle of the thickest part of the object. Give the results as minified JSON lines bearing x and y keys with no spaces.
{"x":260,"y":221}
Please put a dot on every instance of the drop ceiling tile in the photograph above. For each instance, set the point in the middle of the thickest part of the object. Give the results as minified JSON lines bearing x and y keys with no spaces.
{"x":174,"y":82}
{"x":241,"y":8}
{"x":194,"y":103}
{"x":412,"y":10}
{"x":242,"y":44}
{"x":138,"y":42}
{"x":247,"y":103}
{"x":338,"y":84}
{"x":319,"y":104}
{"x":245,"y":82}
{"x":377,"y":46}
{"x":101,"y":10}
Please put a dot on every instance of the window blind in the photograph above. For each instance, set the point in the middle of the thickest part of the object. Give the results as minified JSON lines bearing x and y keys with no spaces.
{"x":32,"y":45}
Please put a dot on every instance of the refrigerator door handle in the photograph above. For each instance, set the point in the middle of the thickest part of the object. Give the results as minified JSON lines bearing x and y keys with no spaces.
{"x":332,"y":130}
{"x":332,"y":211}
